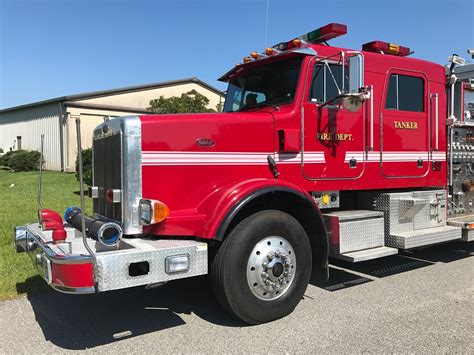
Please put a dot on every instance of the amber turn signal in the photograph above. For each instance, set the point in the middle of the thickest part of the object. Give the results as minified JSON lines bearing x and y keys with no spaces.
{"x":153,"y":211}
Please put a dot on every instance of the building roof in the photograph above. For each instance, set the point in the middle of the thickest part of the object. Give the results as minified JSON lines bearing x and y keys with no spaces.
{"x":101,"y":93}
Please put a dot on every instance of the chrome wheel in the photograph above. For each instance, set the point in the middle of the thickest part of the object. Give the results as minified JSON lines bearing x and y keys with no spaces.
{"x":271,"y":268}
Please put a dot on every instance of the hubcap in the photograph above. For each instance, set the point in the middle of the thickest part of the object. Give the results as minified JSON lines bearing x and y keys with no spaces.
{"x":271,"y":268}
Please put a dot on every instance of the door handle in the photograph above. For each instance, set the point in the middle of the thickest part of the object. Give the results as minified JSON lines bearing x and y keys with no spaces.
{"x":436,"y":123}
{"x":371,"y":119}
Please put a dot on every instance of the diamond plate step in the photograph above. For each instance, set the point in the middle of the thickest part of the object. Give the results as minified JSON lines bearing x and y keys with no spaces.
{"x":423,"y":237}
{"x":466,"y":223}
{"x":467,"y":235}
{"x":367,"y":254}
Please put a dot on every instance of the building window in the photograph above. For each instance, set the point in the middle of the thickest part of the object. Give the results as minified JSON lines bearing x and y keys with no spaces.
{"x":405,"y":93}
{"x":325,"y":78}
{"x":18,"y":142}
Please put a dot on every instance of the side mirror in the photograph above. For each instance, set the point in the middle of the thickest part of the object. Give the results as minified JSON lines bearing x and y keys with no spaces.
{"x":356,"y":73}
{"x":352,"y":101}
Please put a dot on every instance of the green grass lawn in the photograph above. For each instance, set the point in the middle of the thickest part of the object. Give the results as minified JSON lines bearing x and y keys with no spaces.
{"x":18,"y":207}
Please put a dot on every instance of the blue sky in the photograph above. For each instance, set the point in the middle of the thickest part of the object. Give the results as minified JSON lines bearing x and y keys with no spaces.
{"x":56,"y":48}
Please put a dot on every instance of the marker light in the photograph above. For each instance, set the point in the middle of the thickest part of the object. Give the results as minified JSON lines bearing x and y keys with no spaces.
{"x":327,"y":32}
{"x":153,"y":211}
{"x":254,"y":55}
{"x":386,"y":48}
{"x":113,"y":196}
{"x":269,"y":51}
{"x":284,"y":46}
{"x":246,"y":59}
{"x":297,"y":42}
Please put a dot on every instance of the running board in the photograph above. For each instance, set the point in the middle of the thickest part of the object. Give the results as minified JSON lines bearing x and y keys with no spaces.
{"x":367,"y":254}
{"x":424,"y":237}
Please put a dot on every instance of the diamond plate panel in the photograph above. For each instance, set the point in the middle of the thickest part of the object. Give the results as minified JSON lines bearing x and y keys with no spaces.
{"x":396,"y":207}
{"x":362,"y":234}
{"x":467,"y":235}
{"x":367,"y":254}
{"x":354,"y":230}
{"x":113,"y":266}
{"x":427,"y":236}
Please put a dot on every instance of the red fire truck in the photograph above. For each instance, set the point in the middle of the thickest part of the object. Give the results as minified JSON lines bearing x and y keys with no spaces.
{"x":320,"y":152}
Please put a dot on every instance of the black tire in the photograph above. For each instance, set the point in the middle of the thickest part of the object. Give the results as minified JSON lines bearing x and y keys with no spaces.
{"x":229,"y":268}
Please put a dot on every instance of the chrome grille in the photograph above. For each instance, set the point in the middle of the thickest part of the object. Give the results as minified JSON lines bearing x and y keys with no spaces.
{"x":107,"y":154}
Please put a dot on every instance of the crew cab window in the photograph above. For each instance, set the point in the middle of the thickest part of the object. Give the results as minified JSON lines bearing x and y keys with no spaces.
{"x":264,"y":85}
{"x":323,"y":84}
{"x":405,"y":93}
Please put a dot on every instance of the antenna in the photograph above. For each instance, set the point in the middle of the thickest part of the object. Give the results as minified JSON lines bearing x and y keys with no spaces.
{"x":40,"y":178}
{"x":266,"y":26}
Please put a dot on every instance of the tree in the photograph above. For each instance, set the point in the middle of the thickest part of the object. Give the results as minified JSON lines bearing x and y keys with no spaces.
{"x":86,"y":166}
{"x":189,"y":102}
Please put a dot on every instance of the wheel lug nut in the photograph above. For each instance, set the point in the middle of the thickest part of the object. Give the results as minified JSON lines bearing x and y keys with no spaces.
{"x":264,"y":275}
{"x":264,"y":264}
{"x":268,"y":282}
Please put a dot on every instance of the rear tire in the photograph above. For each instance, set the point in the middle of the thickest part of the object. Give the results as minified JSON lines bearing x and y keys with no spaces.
{"x":263,"y":267}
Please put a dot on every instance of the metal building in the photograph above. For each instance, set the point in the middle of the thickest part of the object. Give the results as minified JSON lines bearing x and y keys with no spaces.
{"x":22,"y":126}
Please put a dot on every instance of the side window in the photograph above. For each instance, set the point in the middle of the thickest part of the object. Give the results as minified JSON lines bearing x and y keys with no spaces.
{"x":405,"y":93}
{"x":317,"y":85}
{"x":323,"y":85}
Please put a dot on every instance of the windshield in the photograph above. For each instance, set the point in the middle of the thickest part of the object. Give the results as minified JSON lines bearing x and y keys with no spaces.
{"x":271,"y":84}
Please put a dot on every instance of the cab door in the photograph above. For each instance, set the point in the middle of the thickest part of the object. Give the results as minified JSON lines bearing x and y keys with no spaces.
{"x":334,"y":140}
{"x":405,"y":124}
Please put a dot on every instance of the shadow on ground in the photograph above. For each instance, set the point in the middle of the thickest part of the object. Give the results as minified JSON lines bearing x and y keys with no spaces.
{"x":85,"y":321}
{"x":80,"y":322}
{"x":344,"y":274}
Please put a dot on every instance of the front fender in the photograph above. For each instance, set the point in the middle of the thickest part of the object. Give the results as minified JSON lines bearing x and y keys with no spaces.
{"x":227,"y":201}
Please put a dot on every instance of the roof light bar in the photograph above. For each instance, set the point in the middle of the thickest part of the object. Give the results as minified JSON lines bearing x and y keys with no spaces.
{"x":319,"y":35}
{"x":326,"y":33}
{"x":386,"y":48}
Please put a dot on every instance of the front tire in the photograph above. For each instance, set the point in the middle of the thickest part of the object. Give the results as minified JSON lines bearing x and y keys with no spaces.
{"x":262,"y":269}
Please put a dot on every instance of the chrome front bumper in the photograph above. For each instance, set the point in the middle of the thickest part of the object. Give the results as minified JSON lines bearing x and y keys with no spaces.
{"x":67,"y":267}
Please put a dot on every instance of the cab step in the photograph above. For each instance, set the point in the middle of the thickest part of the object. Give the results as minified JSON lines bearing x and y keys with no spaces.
{"x":367,"y":254}
{"x":423,"y":237}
